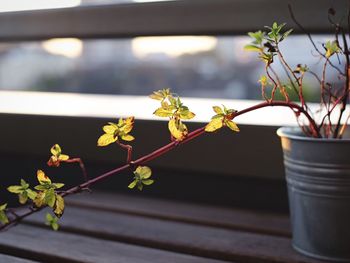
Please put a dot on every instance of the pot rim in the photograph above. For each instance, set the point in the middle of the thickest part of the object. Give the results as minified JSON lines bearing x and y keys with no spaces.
{"x":295,"y":133}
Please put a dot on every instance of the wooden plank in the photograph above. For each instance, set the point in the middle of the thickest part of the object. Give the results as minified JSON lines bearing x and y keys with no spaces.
{"x":49,"y":246}
{"x":11,"y":259}
{"x":218,"y":17}
{"x":267,"y":223}
{"x":210,"y":242}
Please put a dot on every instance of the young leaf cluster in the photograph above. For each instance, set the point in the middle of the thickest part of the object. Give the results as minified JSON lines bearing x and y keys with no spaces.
{"x":142,"y":176}
{"x":47,"y":194}
{"x":266,"y":43}
{"x":223,"y":117}
{"x":57,"y":156}
{"x":175,"y":110}
{"x":115,"y":131}
{"x":23,"y":191}
{"x":3,"y":217}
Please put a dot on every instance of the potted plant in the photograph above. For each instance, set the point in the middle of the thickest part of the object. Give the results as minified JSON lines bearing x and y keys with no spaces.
{"x":316,"y":154}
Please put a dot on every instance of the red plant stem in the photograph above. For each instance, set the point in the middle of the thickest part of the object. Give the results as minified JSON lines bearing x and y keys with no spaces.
{"x":128,"y":149}
{"x":163,"y":150}
{"x":82,"y":166}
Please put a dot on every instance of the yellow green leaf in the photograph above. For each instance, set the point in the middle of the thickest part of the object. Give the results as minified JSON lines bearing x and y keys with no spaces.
{"x":63,"y":157}
{"x":233,"y":126}
{"x":218,"y":110}
{"x":132,"y":184}
{"x":42,"y":178}
{"x":23,"y":198}
{"x":16,"y":189}
{"x":106,"y":139}
{"x":109,"y":129}
{"x":148,"y":182}
{"x":187,"y":115}
{"x":161,"y":112}
{"x":3,"y":207}
{"x":128,"y":137}
{"x":56,"y":150}
{"x":3,"y":217}
{"x":59,"y":206}
{"x":144,"y":172}
{"x":177,"y":129}
{"x":31,"y":194}
{"x":214,"y":125}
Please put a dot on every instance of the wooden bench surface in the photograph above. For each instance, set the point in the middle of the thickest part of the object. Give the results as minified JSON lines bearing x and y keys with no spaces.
{"x":102,"y":227}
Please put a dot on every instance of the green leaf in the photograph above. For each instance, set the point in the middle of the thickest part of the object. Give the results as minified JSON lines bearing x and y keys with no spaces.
{"x":52,"y":221}
{"x":24,"y":184}
{"x":50,"y":198}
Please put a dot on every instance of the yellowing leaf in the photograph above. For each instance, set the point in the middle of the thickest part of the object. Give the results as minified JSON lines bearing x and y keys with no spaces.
{"x":161,"y":112}
{"x":63,"y":157}
{"x":218,"y":110}
{"x":109,"y":129}
{"x":177,"y":129}
{"x":56,"y":150}
{"x":39,"y":199}
{"x":106,"y":139}
{"x":42,"y":178}
{"x":59,"y":206}
{"x":214,"y":125}
{"x":128,"y":137}
{"x":233,"y":126}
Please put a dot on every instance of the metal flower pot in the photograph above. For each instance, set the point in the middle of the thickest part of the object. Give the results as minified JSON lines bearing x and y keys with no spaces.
{"x":318,"y":179}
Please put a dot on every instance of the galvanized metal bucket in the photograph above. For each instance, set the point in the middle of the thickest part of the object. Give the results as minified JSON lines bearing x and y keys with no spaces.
{"x":318,"y":179}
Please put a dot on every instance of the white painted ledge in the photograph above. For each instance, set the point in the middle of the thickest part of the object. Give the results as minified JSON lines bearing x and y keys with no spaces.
{"x":142,"y":107}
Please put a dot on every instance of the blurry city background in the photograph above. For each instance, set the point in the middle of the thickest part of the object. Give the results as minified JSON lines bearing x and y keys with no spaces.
{"x":193,"y":66}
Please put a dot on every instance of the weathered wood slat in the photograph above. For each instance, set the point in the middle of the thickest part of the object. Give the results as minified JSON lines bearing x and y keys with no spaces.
{"x":11,"y":259}
{"x":256,"y":222}
{"x":49,"y":246}
{"x":180,"y":237}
